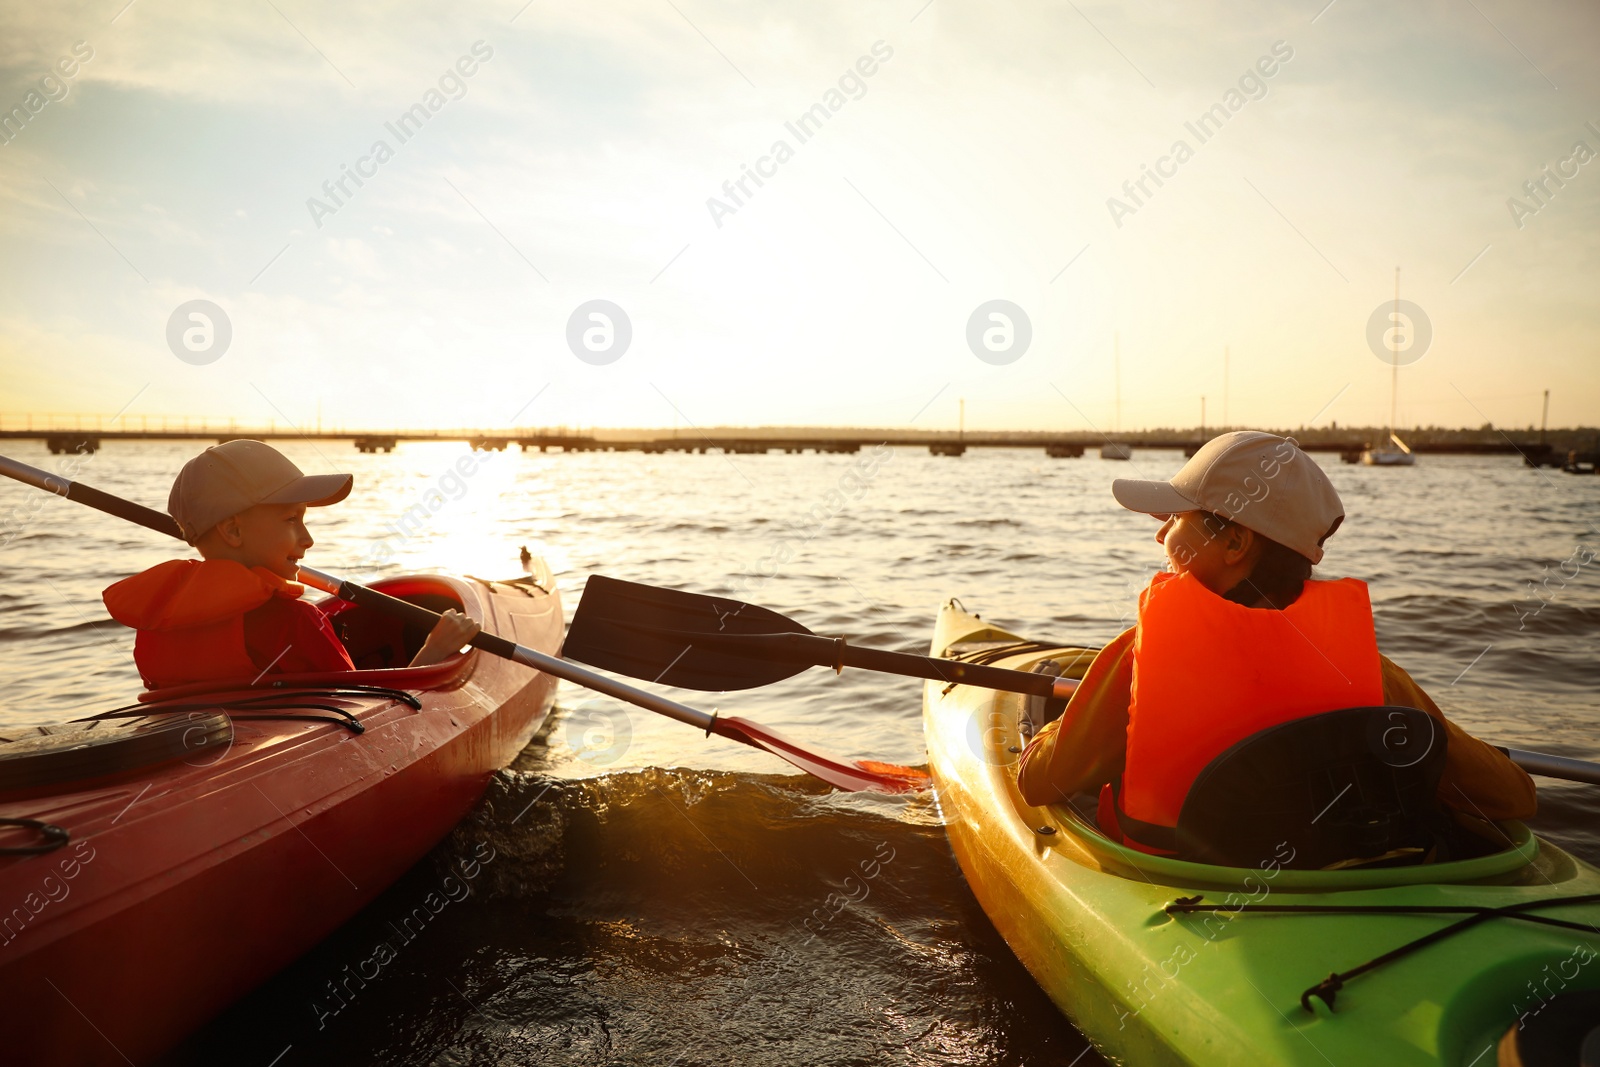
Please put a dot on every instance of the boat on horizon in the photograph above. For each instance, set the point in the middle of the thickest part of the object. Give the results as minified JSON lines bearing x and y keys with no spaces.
{"x":1116,"y":449}
{"x":1392,"y":453}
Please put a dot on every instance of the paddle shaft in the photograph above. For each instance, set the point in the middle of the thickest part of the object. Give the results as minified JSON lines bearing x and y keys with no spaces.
{"x":835,"y":652}
{"x":715,"y":644}
{"x":1542,"y":763}
{"x":159,"y":521}
{"x":491,"y":643}
{"x":496,"y":645}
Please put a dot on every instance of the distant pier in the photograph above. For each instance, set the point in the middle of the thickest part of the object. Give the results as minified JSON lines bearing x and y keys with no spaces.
{"x":83,"y":439}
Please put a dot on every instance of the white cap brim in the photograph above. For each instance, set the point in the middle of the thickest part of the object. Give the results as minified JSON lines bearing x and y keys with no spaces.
{"x":1151,"y":498}
{"x":314,"y":490}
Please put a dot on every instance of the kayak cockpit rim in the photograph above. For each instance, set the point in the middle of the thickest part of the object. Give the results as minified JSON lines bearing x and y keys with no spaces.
{"x":1164,"y":870}
{"x":1065,"y":821}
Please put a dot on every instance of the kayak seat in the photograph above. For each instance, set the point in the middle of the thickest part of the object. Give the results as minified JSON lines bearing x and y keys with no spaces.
{"x":1040,"y":711}
{"x":377,"y":640}
{"x":1353,"y":787}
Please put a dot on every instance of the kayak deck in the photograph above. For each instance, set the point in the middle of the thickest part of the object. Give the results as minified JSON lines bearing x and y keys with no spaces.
{"x":1088,"y":917}
{"x":187,"y":883}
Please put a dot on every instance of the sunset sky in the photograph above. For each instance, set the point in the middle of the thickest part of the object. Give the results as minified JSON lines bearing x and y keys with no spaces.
{"x":955,"y":154}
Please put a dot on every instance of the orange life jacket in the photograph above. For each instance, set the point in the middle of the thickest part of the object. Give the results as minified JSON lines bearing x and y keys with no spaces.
{"x":1208,"y":673}
{"x":190,"y":618}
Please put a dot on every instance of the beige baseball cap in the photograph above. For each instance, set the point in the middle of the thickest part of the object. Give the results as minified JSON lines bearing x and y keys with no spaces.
{"x":1259,"y":480}
{"x":226,"y":479}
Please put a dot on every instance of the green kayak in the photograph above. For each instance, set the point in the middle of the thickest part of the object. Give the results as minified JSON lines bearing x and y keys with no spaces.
{"x":1150,"y":983}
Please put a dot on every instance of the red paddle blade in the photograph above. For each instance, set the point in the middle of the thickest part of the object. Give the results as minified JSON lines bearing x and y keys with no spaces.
{"x":864,"y":776}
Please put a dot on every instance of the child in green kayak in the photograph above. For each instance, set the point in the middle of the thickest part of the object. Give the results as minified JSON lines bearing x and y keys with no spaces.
{"x":236,"y":613}
{"x":1234,"y":639}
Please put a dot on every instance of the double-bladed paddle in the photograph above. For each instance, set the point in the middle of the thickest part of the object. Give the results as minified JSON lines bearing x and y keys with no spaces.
{"x":695,"y":641}
{"x":853,"y":776}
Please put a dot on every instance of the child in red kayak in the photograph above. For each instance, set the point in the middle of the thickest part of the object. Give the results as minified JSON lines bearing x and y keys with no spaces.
{"x":236,"y":614}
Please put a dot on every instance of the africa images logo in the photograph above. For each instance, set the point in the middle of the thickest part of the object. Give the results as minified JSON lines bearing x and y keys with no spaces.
{"x":1399,"y":332}
{"x":52,"y":88}
{"x":404,"y":128}
{"x":803,"y":128}
{"x":1252,"y":85}
{"x":199,"y":332}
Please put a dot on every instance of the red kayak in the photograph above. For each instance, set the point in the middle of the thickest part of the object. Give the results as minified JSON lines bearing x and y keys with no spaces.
{"x":158,"y":863}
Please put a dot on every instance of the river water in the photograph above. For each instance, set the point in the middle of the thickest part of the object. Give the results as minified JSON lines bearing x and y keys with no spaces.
{"x":647,"y":906}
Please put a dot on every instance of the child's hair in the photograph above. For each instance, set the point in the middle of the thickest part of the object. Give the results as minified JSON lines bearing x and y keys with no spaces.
{"x":1278,"y":577}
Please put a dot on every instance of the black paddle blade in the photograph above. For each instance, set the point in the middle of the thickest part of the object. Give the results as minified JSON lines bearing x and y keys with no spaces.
{"x":671,"y":637}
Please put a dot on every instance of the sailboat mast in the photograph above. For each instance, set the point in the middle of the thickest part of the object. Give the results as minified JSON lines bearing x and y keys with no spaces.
{"x":1225,"y":384}
{"x":1394,"y":356}
{"x":1116,"y":363}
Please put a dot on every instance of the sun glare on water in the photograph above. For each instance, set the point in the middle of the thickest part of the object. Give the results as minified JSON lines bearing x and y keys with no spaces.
{"x":441,"y":507}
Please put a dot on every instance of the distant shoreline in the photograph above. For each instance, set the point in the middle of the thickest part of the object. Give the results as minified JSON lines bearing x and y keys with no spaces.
{"x":1583,"y":438}
{"x":1571,"y":447}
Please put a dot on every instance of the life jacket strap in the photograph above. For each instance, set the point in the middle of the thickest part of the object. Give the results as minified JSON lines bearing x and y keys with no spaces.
{"x":1152,"y":837}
